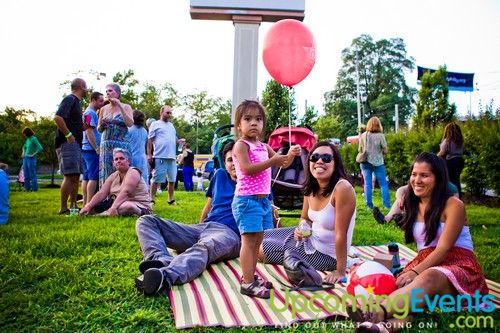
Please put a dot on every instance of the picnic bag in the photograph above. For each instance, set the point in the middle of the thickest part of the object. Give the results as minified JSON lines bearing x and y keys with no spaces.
{"x":300,"y":272}
{"x":362,"y":155}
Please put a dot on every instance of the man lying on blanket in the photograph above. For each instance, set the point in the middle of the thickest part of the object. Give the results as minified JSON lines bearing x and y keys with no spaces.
{"x":216,"y":238}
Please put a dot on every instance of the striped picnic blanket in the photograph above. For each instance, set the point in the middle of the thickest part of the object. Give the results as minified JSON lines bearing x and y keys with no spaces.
{"x":214,"y":299}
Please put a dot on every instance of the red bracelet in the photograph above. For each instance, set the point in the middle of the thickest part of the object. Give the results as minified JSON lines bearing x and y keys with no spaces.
{"x":414,"y":271}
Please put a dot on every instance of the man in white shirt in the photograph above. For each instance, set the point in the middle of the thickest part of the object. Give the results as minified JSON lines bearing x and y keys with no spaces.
{"x":163,"y":138}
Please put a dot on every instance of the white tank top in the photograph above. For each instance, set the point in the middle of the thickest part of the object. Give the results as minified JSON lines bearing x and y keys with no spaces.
{"x":464,"y":240}
{"x":323,"y":227}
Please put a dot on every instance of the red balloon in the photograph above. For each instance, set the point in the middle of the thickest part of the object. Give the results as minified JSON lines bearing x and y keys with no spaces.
{"x":289,"y":52}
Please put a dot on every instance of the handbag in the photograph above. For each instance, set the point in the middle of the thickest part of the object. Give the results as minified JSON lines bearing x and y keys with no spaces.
{"x":104,"y":205}
{"x":362,"y":155}
{"x":302,"y":274}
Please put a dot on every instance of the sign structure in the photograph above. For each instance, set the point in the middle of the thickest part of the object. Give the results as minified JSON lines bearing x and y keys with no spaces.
{"x":268,"y":10}
{"x":456,"y":81}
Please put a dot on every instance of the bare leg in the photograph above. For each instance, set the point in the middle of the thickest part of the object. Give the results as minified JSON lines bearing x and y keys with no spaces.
{"x":91,"y":189}
{"x":248,"y":254}
{"x":75,"y":182}
{"x":396,"y":206}
{"x":431,"y":281}
{"x":154,"y":188}
{"x":67,"y":188}
{"x":84,"y":191}
{"x":171,"y":191}
{"x":128,"y":208}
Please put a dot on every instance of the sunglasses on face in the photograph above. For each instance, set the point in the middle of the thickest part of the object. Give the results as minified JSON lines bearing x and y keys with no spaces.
{"x":327,"y":158}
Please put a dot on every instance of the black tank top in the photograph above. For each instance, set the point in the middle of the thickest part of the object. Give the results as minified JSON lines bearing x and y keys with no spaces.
{"x":188,"y":160}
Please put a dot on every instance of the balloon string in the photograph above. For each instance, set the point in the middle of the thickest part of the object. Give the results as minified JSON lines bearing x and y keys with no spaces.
{"x":289,"y":129}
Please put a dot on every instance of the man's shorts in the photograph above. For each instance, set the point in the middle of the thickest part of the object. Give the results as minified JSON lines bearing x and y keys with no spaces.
{"x":165,"y":168}
{"x":71,"y":159}
{"x":252,"y":213}
{"x":90,"y":165}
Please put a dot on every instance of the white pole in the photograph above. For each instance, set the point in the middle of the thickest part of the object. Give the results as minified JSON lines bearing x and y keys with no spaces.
{"x":396,"y":116}
{"x":357,"y":91}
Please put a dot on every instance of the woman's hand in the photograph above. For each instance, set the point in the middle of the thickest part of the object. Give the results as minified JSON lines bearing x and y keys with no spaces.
{"x":334,"y":277}
{"x":405,"y":278}
{"x":85,"y":210}
{"x":297,"y":234}
{"x":114,"y":101}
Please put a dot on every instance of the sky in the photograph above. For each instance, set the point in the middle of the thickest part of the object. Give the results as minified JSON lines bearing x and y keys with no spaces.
{"x":43,"y":43}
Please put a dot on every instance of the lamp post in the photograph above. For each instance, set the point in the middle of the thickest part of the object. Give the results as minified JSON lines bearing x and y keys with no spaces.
{"x":364,"y":98}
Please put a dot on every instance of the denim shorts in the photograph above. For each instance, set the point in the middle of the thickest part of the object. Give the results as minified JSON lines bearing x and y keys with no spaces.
{"x":71,"y":162}
{"x":90,"y":165}
{"x":165,"y":169}
{"x":252,"y":213}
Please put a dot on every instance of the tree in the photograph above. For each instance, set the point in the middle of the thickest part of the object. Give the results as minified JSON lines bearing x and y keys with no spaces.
{"x":151,"y":99}
{"x":345,"y":111}
{"x":432,"y":104}
{"x":12,"y":122}
{"x":127,"y":84}
{"x":44,"y":129}
{"x":310,"y":117}
{"x":328,"y":127}
{"x":381,"y":65}
{"x":278,"y":104}
{"x":198,"y":107}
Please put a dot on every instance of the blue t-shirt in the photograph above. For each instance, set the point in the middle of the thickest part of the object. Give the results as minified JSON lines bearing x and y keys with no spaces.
{"x":4,"y":197}
{"x":221,"y":190}
{"x":90,"y":118}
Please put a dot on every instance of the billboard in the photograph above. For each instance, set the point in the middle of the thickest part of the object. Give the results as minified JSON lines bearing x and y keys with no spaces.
{"x":456,"y":81}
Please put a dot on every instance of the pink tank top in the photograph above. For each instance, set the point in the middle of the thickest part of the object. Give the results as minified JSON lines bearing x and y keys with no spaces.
{"x":259,"y":183}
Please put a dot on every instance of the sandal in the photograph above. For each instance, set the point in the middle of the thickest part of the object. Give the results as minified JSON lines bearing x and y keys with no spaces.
{"x":261,"y":282}
{"x":255,"y":289}
{"x":64,"y":212}
{"x":171,"y":202}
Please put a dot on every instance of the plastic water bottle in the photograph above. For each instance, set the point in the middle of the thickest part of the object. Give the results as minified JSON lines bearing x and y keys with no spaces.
{"x":394,"y":251}
{"x":305,"y":230}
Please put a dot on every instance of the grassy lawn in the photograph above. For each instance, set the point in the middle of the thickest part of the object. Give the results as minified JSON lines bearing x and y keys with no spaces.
{"x":71,"y":274}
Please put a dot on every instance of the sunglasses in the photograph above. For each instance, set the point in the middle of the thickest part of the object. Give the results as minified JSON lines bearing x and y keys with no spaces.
{"x":327,"y":158}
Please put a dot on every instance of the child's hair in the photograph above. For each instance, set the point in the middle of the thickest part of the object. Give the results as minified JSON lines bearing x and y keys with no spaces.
{"x":244,"y":107}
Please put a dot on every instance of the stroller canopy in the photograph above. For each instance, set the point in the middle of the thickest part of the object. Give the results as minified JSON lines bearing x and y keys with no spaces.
{"x":300,"y":135}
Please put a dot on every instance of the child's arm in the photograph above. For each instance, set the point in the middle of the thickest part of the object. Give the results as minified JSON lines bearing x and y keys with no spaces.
{"x":240,"y":150}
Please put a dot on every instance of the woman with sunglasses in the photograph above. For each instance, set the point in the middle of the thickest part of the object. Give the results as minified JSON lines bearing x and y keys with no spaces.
{"x":329,"y":208}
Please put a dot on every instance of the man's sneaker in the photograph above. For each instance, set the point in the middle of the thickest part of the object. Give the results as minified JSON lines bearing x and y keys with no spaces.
{"x":152,"y":282}
{"x":377,"y":214}
{"x":147,"y":264}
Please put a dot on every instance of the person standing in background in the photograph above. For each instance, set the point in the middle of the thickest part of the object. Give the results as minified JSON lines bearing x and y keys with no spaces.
{"x":376,"y":148}
{"x":188,"y":167}
{"x":4,"y":194}
{"x":31,"y":148}
{"x":69,"y":136}
{"x":138,"y":138}
{"x":452,"y":150}
{"x":90,"y":147}
{"x":114,"y":120}
{"x":163,"y":138}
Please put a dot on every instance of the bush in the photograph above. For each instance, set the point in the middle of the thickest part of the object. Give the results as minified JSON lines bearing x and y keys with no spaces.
{"x":481,"y":147}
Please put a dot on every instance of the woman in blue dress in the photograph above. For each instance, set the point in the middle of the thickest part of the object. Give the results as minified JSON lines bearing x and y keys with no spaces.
{"x":138,"y":137}
{"x":114,"y":120}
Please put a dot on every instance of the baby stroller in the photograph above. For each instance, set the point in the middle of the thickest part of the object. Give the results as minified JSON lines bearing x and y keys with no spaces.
{"x":287,"y":187}
{"x":222,"y":136}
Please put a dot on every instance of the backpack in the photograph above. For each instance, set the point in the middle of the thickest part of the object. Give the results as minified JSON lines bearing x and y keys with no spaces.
{"x":302,"y":274}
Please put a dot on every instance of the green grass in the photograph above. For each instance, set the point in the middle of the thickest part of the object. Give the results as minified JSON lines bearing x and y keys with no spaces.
{"x":71,"y":274}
